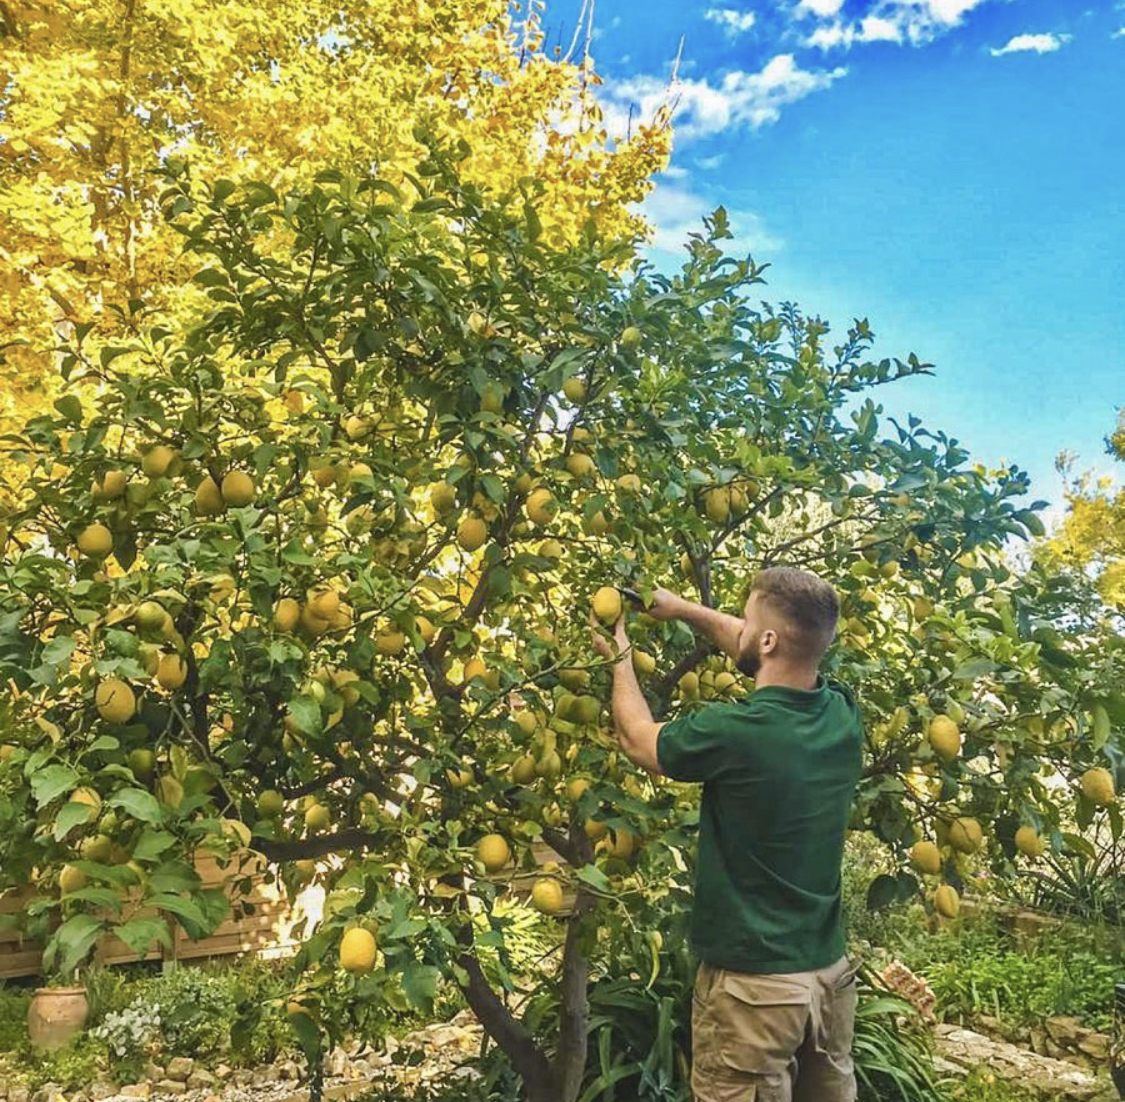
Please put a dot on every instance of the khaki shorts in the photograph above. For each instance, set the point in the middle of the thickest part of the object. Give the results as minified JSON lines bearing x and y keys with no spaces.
{"x":774,"y":1038}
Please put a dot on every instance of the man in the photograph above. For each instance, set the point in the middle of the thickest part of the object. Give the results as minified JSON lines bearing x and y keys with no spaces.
{"x":774,"y":1004}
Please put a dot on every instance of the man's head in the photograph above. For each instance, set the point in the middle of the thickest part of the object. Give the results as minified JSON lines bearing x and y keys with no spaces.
{"x":790,"y":620}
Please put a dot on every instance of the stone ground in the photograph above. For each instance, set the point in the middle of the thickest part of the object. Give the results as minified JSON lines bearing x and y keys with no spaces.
{"x":437,"y":1053}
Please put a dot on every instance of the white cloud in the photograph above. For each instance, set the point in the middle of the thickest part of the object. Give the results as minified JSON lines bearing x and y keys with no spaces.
{"x":676,"y":211}
{"x":1118,"y":34}
{"x":675,"y":172}
{"x":822,"y":7}
{"x":740,"y":98}
{"x":1033,"y":43}
{"x":732,"y":21}
{"x":709,"y":163}
{"x":913,"y":21}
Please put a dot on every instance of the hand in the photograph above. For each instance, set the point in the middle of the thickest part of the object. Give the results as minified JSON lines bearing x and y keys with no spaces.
{"x":666,"y":605}
{"x":603,"y":646}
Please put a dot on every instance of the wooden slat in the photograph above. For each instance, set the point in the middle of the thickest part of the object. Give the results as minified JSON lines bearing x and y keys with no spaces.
{"x":256,"y":932}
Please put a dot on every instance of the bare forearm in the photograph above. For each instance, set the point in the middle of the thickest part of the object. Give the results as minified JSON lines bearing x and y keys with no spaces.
{"x":720,"y":627}
{"x":633,"y":719}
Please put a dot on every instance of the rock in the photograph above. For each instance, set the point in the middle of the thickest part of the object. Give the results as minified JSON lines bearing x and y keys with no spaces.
{"x":1095,"y":1045}
{"x":262,"y":1077}
{"x":19,"y":1094}
{"x":154,"y":1072}
{"x":49,"y":1092}
{"x":212,"y":1098}
{"x":336,"y":1063}
{"x":136,"y":1090}
{"x":200,"y":1079}
{"x":100,"y":1089}
{"x":179,"y":1068}
{"x":171,"y":1086}
{"x":1040,"y":1074}
{"x":1064,"y":1031}
{"x":288,"y":1071}
{"x":244,"y":1077}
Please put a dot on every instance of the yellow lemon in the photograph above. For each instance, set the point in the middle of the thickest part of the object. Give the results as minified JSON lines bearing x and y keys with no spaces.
{"x":95,"y":540}
{"x":472,"y":533}
{"x":270,"y":804}
{"x":547,"y":895}
{"x":71,"y":879}
{"x":947,"y":902}
{"x":523,"y":770}
{"x":575,"y":789}
{"x":945,"y":738}
{"x":390,"y":643}
{"x":1097,"y":786}
{"x":208,"y":498}
{"x":172,"y":671}
{"x":111,"y":486}
{"x":716,"y":504}
{"x":493,"y":852}
{"x":1029,"y":843}
{"x":317,"y":818}
{"x":630,"y":483}
{"x":443,"y":498}
{"x":926,"y":858}
{"x":620,"y":844}
{"x":286,"y":615}
{"x":357,"y":950}
{"x":237,"y":489}
{"x":115,"y":701}
{"x":965,"y":835}
{"x":157,"y":460}
{"x":643,"y":662}
{"x":541,"y":506}
{"x":607,"y":605}
{"x":580,"y":465}
{"x":575,"y":390}
{"x":631,"y":336}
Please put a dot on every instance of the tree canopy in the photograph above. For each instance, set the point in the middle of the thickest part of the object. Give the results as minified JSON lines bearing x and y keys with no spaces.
{"x":96,"y":96}
{"x":311,"y":577}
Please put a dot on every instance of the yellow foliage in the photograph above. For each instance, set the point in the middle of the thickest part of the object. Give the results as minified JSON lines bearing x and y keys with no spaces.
{"x":95,"y":91}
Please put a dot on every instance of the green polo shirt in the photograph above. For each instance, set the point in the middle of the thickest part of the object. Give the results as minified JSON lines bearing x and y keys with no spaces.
{"x":779,"y":770}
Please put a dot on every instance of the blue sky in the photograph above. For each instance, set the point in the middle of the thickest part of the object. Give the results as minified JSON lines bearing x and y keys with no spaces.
{"x":954,"y":170}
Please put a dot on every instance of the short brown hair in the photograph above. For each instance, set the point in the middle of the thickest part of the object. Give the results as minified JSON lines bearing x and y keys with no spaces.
{"x":808,"y":603}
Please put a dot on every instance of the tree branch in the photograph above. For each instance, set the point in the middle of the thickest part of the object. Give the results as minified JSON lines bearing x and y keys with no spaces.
{"x":499,"y":1023}
{"x":316,"y":847}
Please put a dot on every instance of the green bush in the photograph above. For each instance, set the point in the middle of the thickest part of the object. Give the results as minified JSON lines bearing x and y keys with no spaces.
{"x":14,"y":1002}
{"x":978,"y":967}
{"x":75,"y":1065}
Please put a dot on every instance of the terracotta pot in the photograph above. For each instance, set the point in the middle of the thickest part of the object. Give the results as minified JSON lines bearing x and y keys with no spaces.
{"x":56,"y":1014}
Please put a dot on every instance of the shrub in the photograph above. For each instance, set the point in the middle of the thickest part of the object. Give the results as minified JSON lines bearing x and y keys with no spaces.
{"x":13,"y":1018}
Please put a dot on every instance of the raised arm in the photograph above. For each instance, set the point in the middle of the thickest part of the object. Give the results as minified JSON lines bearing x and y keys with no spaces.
{"x":720,"y":627}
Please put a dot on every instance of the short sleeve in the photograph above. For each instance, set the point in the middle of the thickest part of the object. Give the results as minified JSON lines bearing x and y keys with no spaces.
{"x":694,"y":747}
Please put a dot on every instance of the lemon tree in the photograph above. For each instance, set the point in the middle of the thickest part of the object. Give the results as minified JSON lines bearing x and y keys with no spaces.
{"x":313,"y":581}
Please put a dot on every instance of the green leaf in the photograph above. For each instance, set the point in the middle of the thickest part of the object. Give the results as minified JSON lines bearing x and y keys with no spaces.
{"x":70,"y":408}
{"x":882,"y":892}
{"x":180,"y":907}
{"x":974,"y":668}
{"x":593,"y":877}
{"x":139,"y":804}
{"x":152,"y":843}
{"x":140,"y":933}
{"x":73,"y":941}
{"x":51,"y":782}
{"x":71,"y":816}
{"x":306,"y":714}
{"x":420,"y":985}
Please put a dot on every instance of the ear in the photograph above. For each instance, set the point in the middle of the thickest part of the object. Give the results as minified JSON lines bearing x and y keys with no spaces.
{"x":767,"y":641}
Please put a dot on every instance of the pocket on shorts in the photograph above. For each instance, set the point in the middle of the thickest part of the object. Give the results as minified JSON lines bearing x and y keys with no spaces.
{"x":759,"y":1022}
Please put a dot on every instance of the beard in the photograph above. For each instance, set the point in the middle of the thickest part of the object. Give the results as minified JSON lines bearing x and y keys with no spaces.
{"x":750,"y":659}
